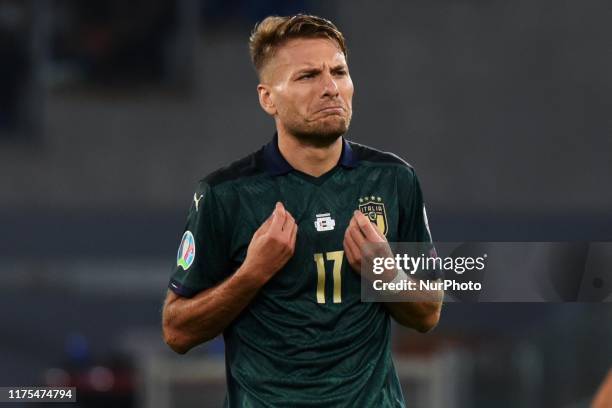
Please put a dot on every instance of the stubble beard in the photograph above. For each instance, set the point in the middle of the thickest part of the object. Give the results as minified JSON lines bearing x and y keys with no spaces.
{"x":321,"y":133}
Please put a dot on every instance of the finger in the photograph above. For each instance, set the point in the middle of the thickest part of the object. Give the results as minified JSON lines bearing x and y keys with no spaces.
{"x":379,"y":233}
{"x":268,"y":220}
{"x":278,"y":218}
{"x":263,"y":228}
{"x":288,"y":229}
{"x":350,"y":248}
{"x":355,"y":232}
{"x":289,"y":221}
{"x":270,"y":217}
{"x":366,"y":227}
{"x":280,"y":208}
{"x":357,"y":255}
{"x":358,"y":244}
{"x":353,"y":225}
{"x":357,"y":236}
{"x":293,"y":236}
{"x":348,"y":253}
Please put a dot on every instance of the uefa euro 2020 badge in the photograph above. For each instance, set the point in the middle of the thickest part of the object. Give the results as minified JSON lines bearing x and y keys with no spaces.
{"x":186,"y":251}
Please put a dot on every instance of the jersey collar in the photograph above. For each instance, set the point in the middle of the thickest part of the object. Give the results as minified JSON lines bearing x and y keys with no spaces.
{"x":276,"y":165}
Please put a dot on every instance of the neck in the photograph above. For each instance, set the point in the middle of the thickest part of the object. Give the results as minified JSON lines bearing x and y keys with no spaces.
{"x":309,"y":159}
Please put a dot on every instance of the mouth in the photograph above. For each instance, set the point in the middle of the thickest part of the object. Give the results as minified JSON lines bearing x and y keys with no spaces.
{"x":331,"y":109}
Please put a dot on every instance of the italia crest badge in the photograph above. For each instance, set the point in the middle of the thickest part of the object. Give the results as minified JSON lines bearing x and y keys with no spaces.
{"x":374,"y":208}
{"x":186,"y":251}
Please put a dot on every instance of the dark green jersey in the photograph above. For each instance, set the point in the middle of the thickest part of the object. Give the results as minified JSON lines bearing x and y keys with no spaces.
{"x":306,"y":340}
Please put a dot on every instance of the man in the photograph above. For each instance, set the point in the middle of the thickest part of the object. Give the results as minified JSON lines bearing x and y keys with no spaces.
{"x":272,"y":249}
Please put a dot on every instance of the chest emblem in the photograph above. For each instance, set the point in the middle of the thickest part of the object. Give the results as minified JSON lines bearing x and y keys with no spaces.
{"x":374,"y":208}
{"x":324,"y":222}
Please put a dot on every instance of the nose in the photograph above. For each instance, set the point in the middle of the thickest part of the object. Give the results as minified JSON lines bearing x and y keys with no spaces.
{"x":330,"y":87}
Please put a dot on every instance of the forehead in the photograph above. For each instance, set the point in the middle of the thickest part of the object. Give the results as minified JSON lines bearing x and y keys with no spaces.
{"x":304,"y":52}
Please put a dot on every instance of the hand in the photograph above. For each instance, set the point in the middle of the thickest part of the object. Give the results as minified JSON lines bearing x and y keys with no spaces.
{"x":273,"y":244}
{"x":603,"y":398}
{"x":360,"y":233}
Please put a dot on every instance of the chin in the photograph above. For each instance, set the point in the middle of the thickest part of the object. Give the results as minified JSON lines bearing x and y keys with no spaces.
{"x":322,"y":136}
{"x":320,"y":133}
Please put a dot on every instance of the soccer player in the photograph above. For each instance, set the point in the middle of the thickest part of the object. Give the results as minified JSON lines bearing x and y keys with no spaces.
{"x":271,"y":253}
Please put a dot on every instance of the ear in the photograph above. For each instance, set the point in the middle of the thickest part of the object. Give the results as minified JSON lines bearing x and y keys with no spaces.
{"x":265,"y":99}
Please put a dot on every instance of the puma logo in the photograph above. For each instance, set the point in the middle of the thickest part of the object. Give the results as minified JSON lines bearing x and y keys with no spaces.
{"x":197,"y":199}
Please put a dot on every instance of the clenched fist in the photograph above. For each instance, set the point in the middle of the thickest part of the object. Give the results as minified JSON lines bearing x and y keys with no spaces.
{"x":273,"y":244}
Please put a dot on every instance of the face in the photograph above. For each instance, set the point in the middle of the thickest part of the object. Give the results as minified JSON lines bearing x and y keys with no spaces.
{"x":306,"y":86}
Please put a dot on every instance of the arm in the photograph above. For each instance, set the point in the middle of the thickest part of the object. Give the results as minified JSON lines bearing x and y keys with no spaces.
{"x":419,"y":315}
{"x":187,"y":322}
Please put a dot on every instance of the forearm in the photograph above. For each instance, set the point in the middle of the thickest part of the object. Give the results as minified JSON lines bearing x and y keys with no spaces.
{"x":188,"y":322}
{"x":418,"y":308}
{"x":421,"y":316}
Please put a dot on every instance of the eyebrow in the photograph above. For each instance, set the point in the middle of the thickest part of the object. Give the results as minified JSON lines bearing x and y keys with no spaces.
{"x":313,"y":70}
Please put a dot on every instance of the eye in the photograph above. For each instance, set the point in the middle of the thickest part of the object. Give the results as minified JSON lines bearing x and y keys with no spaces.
{"x":306,"y":76}
{"x":340,"y":72}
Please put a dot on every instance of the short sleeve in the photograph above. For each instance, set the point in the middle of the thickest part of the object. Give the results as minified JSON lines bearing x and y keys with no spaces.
{"x":202,"y":259}
{"x":413,"y":222}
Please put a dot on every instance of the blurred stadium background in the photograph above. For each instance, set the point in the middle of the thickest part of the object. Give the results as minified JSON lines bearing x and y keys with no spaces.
{"x":110,"y":111}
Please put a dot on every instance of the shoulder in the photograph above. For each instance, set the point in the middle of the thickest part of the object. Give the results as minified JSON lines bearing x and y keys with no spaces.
{"x":217,"y":191}
{"x":235,"y":172}
{"x":243,"y":168}
{"x":374,"y":157}
{"x":220,"y":184}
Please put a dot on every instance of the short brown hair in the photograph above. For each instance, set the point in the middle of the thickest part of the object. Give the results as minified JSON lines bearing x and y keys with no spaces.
{"x":273,"y":31}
